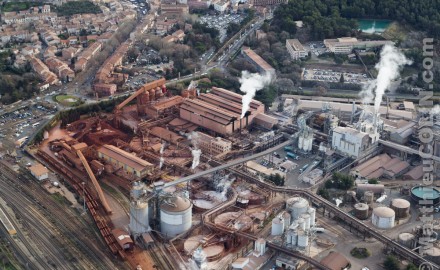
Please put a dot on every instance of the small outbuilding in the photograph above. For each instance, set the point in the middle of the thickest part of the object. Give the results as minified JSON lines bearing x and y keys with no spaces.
{"x":39,"y":171}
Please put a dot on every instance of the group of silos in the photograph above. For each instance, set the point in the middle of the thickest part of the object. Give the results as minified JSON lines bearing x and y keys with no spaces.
{"x":382,"y":217}
{"x":175,"y":213}
{"x":295,"y":222}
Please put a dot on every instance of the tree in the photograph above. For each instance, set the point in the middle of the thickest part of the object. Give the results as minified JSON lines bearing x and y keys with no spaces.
{"x":373,"y":181}
{"x":411,"y":267}
{"x":391,"y":263}
{"x":342,"y":80}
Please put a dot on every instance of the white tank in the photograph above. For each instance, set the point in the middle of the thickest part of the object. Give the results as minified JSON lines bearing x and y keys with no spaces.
{"x":310,"y":144}
{"x":300,"y":142}
{"x":407,"y":239}
{"x":312,"y":212}
{"x":175,"y":216}
{"x":292,"y":237}
{"x":297,"y":206}
{"x":287,"y":218}
{"x":306,"y":218}
{"x":383,"y":217}
{"x":277,"y":226}
{"x":303,"y":239}
{"x":138,"y":217}
{"x":433,"y":254}
{"x":301,"y":223}
{"x":260,"y":246}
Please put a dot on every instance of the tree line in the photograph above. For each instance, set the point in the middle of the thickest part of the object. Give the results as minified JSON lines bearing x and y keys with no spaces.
{"x":335,"y":18}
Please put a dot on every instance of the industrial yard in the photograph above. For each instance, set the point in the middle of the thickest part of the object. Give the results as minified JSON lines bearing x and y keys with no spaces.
{"x":194,"y":181}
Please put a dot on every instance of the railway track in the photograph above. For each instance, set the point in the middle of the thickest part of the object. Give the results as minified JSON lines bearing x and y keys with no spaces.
{"x":66,"y":224}
{"x":161,"y":262}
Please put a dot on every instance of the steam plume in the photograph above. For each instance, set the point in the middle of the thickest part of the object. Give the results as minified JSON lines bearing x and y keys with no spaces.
{"x":161,"y":162}
{"x":250,"y":84}
{"x":196,"y":158}
{"x":391,"y":62}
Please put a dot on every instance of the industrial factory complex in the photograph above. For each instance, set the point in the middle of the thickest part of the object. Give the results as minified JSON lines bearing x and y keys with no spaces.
{"x":209,"y":189}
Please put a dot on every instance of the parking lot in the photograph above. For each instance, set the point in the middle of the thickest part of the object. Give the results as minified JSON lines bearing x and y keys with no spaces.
{"x":141,"y":6}
{"x":221,"y":22}
{"x":334,"y":76}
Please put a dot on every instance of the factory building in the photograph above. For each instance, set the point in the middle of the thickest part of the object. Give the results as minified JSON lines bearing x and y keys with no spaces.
{"x":345,"y":45}
{"x":39,"y":171}
{"x":350,"y":141}
{"x":261,"y":65}
{"x":381,"y":166}
{"x":295,"y":49}
{"x":335,"y":261}
{"x":219,"y":111}
{"x":213,"y":146}
{"x":128,"y":162}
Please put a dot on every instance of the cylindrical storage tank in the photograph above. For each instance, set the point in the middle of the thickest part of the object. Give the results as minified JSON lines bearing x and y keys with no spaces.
{"x":152,"y":94}
{"x":400,"y":207}
{"x":175,"y":216}
{"x":138,"y":217}
{"x":433,"y":254}
{"x":300,"y":142}
{"x":297,"y":206}
{"x":383,"y":217}
{"x":361,"y":211}
{"x":425,"y":193}
{"x":303,"y":239}
{"x":368,"y":197}
{"x":287,"y":218}
{"x":310,"y":144}
{"x":407,"y":239}
{"x":301,"y":223}
{"x":292,"y":237}
{"x":277,"y":226}
{"x":312,"y":212}
{"x":306,"y":218}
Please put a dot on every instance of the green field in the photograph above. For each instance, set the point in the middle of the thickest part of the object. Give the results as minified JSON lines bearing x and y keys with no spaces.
{"x":18,"y":6}
{"x":68,"y":100}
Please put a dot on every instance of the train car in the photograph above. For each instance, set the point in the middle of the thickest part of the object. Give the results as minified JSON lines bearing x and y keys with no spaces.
{"x":7,"y":223}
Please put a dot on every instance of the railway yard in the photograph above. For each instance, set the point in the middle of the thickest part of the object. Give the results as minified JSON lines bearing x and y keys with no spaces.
{"x":197,"y":181}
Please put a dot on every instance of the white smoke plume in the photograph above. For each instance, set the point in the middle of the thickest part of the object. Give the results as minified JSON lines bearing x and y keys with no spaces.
{"x":223,"y":186}
{"x":194,"y":138}
{"x":161,"y":161}
{"x":250,"y":84}
{"x":192,"y":85}
{"x":391,"y":62}
{"x":196,"y":153}
{"x":162,"y":148}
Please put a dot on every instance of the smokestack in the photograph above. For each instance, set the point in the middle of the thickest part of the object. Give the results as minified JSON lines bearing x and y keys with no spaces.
{"x":240,"y":124}
{"x":247,"y":118}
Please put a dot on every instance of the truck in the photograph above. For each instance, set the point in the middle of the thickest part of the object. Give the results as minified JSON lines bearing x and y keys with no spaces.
{"x":318,"y":229}
{"x":303,"y":168}
{"x":292,"y":155}
{"x":288,"y":148}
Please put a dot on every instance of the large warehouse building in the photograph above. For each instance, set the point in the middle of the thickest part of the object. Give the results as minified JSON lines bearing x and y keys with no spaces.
{"x":129,"y":162}
{"x":220,"y":111}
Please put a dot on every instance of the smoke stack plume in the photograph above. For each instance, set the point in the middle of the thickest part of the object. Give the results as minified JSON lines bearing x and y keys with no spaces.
{"x":161,"y":162}
{"x":250,"y":84}
{"x":196,"y":153}
{"x":391,"y":62}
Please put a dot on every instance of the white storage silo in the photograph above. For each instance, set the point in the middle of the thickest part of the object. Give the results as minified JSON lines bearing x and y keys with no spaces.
{"x":300,"y":142}
{"x":303,"y":239}
{"x":383,"y":217}
{"x":301,"y":223}
{"x":175,"y":216}
{"x":277,"y":226}
{"x":138,"y":217}
{"x":292,"y":237}
{"x":312,"y":212}
{"x":306,"y":218}
{"x":260,"y":246}
{"x":297,"y":206}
